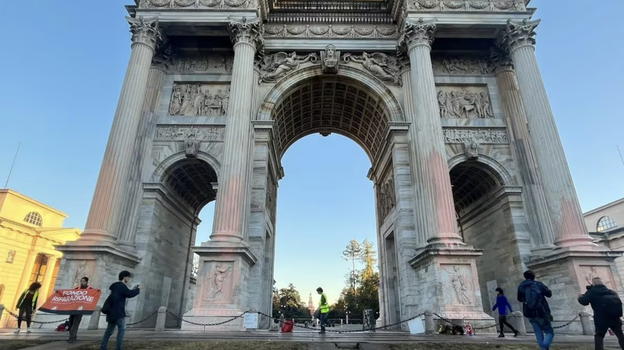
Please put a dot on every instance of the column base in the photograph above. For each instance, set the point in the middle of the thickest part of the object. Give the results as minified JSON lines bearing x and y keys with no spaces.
{"x":222,"y":290}
{"x":566,"y":271}
{"x":449,"y":285}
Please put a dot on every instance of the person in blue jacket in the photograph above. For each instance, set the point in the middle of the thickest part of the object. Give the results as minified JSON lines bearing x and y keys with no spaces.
{"x":115,"y":309}
{"x":504,"y":308}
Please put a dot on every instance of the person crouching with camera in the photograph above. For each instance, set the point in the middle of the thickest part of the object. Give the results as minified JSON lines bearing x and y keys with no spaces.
{"x":607,"y":308}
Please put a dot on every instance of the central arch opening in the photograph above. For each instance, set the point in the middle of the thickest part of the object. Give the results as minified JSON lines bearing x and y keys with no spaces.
{"x":324,"y":200}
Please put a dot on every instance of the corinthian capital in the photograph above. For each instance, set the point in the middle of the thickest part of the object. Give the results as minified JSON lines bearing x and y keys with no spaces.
{"x":518,"y":34}
{"x":145,"y":31}
{"x":417,"y":33}
{"x":246,"y":32}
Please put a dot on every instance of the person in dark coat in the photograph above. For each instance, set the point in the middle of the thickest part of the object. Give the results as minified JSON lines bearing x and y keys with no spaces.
{"x":532,"y":294}
{"x":503,"y":306}
{"x":75,"y":319}
{"x":116,"y":310}
{"x":607,"y":311}
{"x":26,"y":305}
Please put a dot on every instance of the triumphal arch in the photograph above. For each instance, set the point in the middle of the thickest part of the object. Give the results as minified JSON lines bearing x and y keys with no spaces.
{"x":444,"y":96}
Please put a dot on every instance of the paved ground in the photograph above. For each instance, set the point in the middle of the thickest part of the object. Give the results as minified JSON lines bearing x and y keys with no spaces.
{"x":259,"y":340}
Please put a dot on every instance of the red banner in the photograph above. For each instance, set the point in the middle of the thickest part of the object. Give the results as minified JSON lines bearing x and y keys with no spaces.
{"x":72,"y":301}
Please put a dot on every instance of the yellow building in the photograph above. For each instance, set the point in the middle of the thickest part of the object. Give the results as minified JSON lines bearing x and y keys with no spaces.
{"x":29,"y":232}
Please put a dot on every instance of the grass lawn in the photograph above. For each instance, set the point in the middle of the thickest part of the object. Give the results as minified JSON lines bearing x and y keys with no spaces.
{"x":11,"y":344}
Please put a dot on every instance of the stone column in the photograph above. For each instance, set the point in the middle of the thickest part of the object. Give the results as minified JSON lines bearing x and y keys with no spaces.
{"x":105,"y":213}
{"x":516,"y":115}
{"x":435,"y":209}
{"x":231,"y":205}
{"x":565,"y":212}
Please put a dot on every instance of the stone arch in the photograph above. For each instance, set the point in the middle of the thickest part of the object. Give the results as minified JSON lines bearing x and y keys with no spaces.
{"x":491,"y":218}
{"x":351,"y":103}
{"x":172,"y":159}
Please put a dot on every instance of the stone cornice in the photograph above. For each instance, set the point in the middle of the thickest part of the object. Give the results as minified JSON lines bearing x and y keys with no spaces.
{"x":246,"y":32}
{"x":417,"y":33}
{"x":197,"y":4}
{"x":518,"y":34}
{"x":145,"y":31}
{"x":467,"y":5}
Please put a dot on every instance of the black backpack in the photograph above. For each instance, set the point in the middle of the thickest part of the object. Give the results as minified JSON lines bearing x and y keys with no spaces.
{"x":533,"y":301}
{"x":106,"y":307}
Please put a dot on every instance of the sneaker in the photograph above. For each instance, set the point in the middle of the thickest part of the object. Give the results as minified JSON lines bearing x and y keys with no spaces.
{"x":17,"y":331}
{"x":516,"y":334}
{"x":28,"y":331}
{"x":501,"y":335}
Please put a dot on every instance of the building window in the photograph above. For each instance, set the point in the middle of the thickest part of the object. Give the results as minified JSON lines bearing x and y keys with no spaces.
{"x":34,"y":218}
{"x":605,"y":223}
{"x":11,"y":256}
{"x":39,"y":270}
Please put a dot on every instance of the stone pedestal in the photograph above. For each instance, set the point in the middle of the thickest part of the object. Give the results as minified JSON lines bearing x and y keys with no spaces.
{"x":566,"y":272}
{"x":223,"y":272}
{"x":449,"y":284}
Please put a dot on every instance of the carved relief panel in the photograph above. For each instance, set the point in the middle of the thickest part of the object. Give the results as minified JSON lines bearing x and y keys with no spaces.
{"x":467,"y":102}
{"x":199,"y":99}
{"x":220,"y":277}
{"x":458,"y":65}
{"x":387,"y":197}
{"x":458,"y":279}
{"x":213,"y":62}
{"x":588,"y":272}
{"x":478,"y":135}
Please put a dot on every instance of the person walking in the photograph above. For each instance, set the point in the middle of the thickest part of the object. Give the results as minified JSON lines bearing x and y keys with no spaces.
{"x":503,"y":306}
{"x":115,"y":309}
{"x":532,"y":294}
{"x":607,"y":308}
{"x":323,"y":309}
{"x":26,"y":305}
{"x":75,"y":319}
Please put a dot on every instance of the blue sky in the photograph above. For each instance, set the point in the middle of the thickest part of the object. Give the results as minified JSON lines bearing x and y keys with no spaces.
{"x":62,"y":66}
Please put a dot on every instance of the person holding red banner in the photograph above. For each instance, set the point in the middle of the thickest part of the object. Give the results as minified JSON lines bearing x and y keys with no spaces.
{"x":26,"y":304}
{"x":75,"y":319}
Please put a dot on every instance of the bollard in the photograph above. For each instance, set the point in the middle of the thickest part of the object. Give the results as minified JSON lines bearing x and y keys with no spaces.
{"x":161,"y":319}
{"x":517,"y":321}
{"x":586,"y":324}
{"x":429,"y":324}
{"x":94,"y":321}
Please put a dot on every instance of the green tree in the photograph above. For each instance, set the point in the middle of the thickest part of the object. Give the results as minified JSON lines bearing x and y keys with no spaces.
{"x":288,"y":301}
{"x":352,"y":253}
{"x":369,"y":258}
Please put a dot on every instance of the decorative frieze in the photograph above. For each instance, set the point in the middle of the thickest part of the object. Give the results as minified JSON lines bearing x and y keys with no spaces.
{"x":184,"y":133}
{"x":276,"y":65}
{"x":197,"y":4}
{"x":381,"y":65}
{"x":467,"y":102}
{"x":468,"y":135}
{"x":387,"y":198}
{"x":467,"y":5}
{"x":331,"y":31}
{"x":208,"y":63}
{"x":199,"y":99}
{"x":462,"y":65}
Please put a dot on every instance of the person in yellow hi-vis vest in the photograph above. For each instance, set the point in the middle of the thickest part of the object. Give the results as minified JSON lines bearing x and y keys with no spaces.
{"x":323,"y":309}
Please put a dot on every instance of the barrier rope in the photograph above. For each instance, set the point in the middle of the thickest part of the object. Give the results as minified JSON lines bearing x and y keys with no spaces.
{"x":143,"y":320}
{"x":207,"y":324}
{"x":567,"y":323}
{"x":36,"y":322}
{"x":457,"y":325}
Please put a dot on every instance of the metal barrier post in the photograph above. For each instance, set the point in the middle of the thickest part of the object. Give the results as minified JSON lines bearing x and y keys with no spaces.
{"x":517,"y":321}
{"x":161,"y":319}
{"x":94,"y":321}
{"x":586,"y":324}
{"x":429,"y":324}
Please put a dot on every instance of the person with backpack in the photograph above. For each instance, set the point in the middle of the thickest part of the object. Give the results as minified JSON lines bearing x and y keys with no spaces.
{"x":26,"y":305}
{"x":532,"y":294}
{"x":502,"y":304}
{"x":115,"y":308}
{"x":607,"y":308}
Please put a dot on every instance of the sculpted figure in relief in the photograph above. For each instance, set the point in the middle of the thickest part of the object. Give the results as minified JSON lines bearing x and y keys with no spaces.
{"x":330,"y":59}
{"x":219,"y":275}
{"x":462,"y":103}
{"x":379,"y":64}
{"x":198,"y":100}
{"x":279,"y":64}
